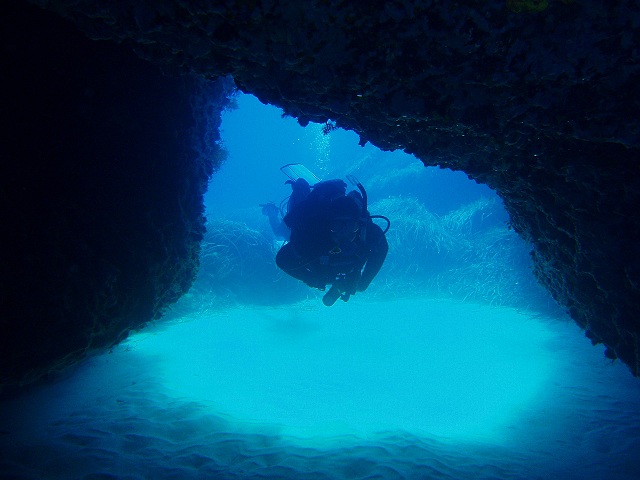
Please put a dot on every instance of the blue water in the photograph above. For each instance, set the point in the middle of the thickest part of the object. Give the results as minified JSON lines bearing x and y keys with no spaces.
{"x":260,"y":141}
{"x":453,"y":364}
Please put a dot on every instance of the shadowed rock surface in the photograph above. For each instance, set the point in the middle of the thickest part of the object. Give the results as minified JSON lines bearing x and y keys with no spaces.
{"x":104,"y":166}
{"x":539,"y":100}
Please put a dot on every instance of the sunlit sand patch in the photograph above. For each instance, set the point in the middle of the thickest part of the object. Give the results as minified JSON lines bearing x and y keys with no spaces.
{"x":398,"y":389}
{"x":458,"y":371}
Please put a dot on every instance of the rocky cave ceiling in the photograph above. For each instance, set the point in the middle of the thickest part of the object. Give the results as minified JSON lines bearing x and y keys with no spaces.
{"x":537,"y":99}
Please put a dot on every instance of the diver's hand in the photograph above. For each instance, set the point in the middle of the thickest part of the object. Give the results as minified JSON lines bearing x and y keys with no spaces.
{"x":269,"y":209}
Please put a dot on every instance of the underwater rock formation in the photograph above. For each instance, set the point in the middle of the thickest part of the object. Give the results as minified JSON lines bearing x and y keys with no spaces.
{"x":538,"y":100}
{"x":104,"y":168}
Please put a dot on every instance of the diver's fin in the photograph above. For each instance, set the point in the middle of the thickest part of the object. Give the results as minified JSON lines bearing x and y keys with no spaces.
{"x":297,"y":170}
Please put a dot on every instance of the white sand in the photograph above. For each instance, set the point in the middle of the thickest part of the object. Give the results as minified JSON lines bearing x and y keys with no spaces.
{"x":402,"y":389}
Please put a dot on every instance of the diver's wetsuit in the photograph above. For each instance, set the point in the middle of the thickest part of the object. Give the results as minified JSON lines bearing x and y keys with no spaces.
{"x":314,"y":257}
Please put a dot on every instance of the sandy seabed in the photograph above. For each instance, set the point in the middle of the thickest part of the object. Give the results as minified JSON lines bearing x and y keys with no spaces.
{"x":399,"y":389}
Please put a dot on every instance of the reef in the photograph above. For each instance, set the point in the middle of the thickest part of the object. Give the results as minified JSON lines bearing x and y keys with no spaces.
{"x":537,"y":99}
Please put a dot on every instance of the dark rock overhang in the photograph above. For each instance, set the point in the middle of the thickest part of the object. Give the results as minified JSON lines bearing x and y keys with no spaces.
{"x":538,"y":100}
{"x":103,"y":172}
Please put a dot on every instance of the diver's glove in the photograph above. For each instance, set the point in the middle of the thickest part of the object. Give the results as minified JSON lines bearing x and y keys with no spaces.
{"x":269,"y":209}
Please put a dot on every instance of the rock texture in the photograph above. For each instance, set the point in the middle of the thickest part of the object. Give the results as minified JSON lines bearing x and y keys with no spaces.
{"x":102,"y":181}
{"x":538,"y":99}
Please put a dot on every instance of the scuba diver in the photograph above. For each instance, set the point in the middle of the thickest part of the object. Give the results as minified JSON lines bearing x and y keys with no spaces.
{"x":332,"y":237}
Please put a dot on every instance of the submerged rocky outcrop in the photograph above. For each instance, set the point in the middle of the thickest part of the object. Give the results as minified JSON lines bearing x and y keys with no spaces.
{"x":104,"y":166}
{"x":537,"y":99}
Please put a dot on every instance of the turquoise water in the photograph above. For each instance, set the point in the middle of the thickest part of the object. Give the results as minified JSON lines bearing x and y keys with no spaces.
{"x":452,"y":365}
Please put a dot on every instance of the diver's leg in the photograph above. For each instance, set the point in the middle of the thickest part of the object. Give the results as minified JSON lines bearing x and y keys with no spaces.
{"x":289,"y":261}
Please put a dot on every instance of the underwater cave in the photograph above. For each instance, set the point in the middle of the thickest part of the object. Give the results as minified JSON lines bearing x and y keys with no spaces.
{"x":147,"y":332}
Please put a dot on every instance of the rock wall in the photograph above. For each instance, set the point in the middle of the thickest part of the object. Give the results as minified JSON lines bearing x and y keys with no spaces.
{"x":103,"y":171}
{"x":538,"y":99}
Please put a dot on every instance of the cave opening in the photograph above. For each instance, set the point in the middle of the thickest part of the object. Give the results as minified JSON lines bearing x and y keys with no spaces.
{"x":284,"y":359}
{"x":461,"y":305}
{"x":453,"y":362}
